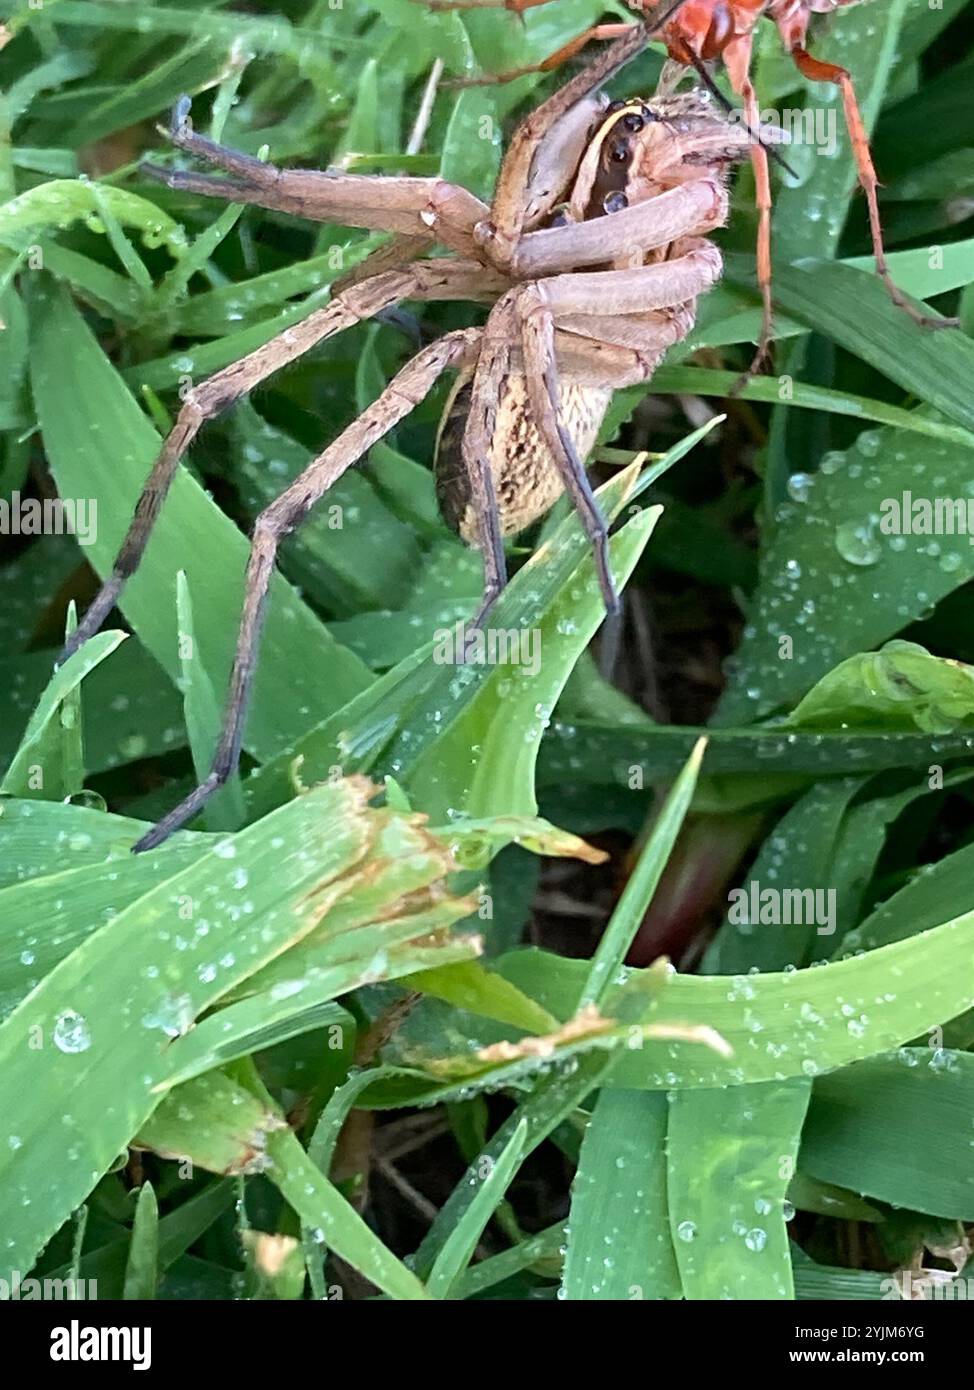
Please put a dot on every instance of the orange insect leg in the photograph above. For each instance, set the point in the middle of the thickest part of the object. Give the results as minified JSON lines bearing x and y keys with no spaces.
{"x":554,"y":60}
{"x":762,"y":188}
{"x":818,"y":71}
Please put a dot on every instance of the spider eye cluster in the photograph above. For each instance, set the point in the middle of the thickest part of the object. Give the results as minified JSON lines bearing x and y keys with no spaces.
{"x":615,"y":140}
{"x":637,"y":114}
{"x":632,"y":117}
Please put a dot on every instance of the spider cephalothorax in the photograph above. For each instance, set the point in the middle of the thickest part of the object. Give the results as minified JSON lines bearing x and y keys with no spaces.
{"x":590,"y":256}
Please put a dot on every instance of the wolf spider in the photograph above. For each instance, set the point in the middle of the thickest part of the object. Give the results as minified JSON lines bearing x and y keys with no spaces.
{"x":591,"y":256}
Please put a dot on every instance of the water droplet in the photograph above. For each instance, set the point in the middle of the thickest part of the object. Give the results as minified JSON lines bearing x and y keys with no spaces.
{"x":856,"y":543}
{"x":687,"y":1231}
{"x":71,"y":1032}
{"x":869,"y":443}
{"x":172,"y":1015}
{"x":799,"y":486}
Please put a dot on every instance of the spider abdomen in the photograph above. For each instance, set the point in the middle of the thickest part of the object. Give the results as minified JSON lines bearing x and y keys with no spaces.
{"x":526,"y":480}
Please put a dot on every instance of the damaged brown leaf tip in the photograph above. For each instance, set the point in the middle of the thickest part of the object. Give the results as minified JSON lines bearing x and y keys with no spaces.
{"x":270,"y":1253}
{"x":588,"y":1022}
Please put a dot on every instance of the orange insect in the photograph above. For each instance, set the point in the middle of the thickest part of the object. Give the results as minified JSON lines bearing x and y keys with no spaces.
{"x":698,"y":32}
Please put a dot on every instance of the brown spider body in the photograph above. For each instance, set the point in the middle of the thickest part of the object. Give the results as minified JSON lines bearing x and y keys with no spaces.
{"x":632,"y":151}
{"x":526,"y":482}
{"x":590,"y":257}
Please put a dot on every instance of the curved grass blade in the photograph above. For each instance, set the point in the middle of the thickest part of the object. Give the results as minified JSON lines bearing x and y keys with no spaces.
{"x":602,"y":754}
{"x":224,"y":1126}
{"x":71,"y":1050}
{"x":808,"y":1021}
{"x":46,"y":760}
{"x":553,"y":1101}
{"x":853,"y":308}
{"x":705,"y":381}
{"x":491,"y":1184}
{"x":642,"y":884}
{"x":870,"y":1128}
{"x":56,"y":205}
{"x":836,"y":577}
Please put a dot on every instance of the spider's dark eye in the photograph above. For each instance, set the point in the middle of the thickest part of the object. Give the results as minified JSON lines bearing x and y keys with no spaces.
{"x":649,"y":115}
{"x":633,"y":121}
{"x":619,"y":151}
{"x":615,"y":201}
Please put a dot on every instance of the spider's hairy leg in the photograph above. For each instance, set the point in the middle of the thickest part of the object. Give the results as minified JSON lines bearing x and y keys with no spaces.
{"x":700,"y":204}
{"x":537,"y":329}
{"x":404,"y":392}
{"x":208,"y":185}
{"x":492,"y":367}
{"x":430,"y":208}
{"x":214,"y":395}
{"x":245,"y":166}
{"x":646,"y":309}
{"x":762,"y":188}
{"x":638,"y":291}
{"x":391,"y":255}
{"x":818,"y":71}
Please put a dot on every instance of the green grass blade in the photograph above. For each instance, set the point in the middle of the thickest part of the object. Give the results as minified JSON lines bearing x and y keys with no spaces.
{"x":853,"y":308}
{"x":221,"y":1125}
{"x":730,"y":1157}
{"x":203,"y":716}
{"x":618,"y":1238}
{"x":828,"y":551}
{"x":142,"y":1267}
{"x":553,"y":1101}
{"x":869,"y":1127}
{"x":638,"y":893}
{"x":39,"y":765}
{"x":492,"y":1183}
{"x":170,"y":956}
